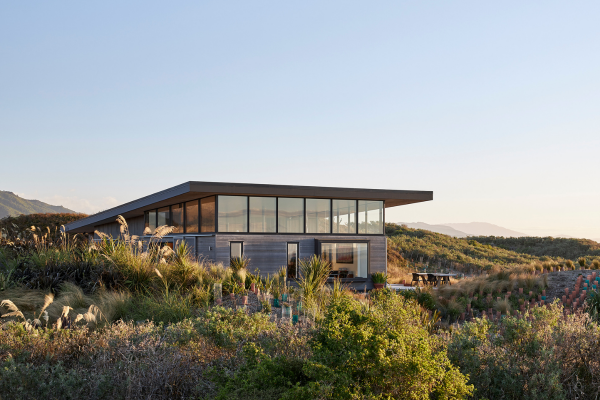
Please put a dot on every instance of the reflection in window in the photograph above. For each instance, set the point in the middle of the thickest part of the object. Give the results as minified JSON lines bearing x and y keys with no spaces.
{"x":262,"y":214}
{"x":207,"y":211}
{"x":233,"y":214}
{"x":348,"y":260}
{"x":236,"y":250}
{"x":318,"y":212}
{"x":177,"y":218}
{"x":291,"y":215}
{"x":191,"y":216}
{"x":344,"y":216}
{"x":151,"y":221}
{"x":292,"y":260}
{"x":370,"y":217}
{"x":163,"y":216}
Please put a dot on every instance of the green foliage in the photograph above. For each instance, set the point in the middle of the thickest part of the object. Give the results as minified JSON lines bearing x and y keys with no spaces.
{"x":378,"y":352}
{"x":379,"y":277}
{"x":542,"y":356}
{"x":567,"y":248}
{"x":227,"y":327}
{"x":432,"y":247}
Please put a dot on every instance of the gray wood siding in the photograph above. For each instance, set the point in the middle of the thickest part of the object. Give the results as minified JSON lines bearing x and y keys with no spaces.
{"x":136,"y":227}
{"x":268,"y":253}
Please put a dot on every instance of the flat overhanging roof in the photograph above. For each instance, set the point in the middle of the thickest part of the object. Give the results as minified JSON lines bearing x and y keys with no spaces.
{"x":193,"y":190}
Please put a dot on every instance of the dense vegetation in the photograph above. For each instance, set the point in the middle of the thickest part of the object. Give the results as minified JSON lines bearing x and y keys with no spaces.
{"x":568,"y":248}
{"x":49,"y":223}
{"x":426,"y":247}
{"x":13,"y":205}
{"x":124,"y":319}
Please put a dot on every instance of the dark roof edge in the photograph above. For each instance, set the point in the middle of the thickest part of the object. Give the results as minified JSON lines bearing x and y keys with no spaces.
{"x":115,"y":211}
{"x":246,"y":188}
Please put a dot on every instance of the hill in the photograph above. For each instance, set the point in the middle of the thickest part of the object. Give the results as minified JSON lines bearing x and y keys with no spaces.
{"x":13,"y":227}
{"x":484,"y":229}
{"x":13,"y":205}
{"x":433,"y":248}
{"x":443,"y":229}
{"x":569,"y":248}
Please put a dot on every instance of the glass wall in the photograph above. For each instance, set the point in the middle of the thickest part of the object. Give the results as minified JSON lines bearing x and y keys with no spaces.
{"x":370,"y":217}
{"x":177,"y":218}
{"x":191,"y":216}
{"x":292,"y":260}
{"x":207,"y":211}
{"x":344,"y":216}
{"x":318,"y":214}
{"x":348,"y":260}
{"x":233,"y":214}
{"x":151,"y":221}
{"x":262,"y":214}
{"x":163,"y":217}
{"x":271,"y":215}
{"x":291,"y":215}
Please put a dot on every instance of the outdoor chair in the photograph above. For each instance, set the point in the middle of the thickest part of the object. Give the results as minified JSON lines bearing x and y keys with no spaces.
{"x":432,"y":279}
{"x":415,"y":279}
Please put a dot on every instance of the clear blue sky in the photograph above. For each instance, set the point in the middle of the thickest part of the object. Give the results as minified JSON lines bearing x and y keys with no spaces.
{"x":495,"y":106}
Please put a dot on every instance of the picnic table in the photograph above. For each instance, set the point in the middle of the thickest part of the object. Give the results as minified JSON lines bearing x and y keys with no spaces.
{"x":433,"y":278}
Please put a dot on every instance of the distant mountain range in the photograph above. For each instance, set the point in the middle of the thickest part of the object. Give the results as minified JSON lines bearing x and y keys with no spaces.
{"x":462,"y":230}
{"x":13,"y":205}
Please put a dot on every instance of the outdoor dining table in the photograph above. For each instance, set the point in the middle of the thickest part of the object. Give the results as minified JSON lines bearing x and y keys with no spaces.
{"x":444,"y":277}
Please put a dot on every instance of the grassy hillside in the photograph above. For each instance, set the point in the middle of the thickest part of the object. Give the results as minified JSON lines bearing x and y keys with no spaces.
{"x":17,"y":226}
{"x":544,"y":246}
{"x":12,"y":205}
{"x":406,"y":244}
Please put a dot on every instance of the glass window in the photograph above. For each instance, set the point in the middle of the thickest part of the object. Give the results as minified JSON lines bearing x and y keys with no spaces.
{"x":292,"y":260}
{"x":348,"y":260}
{"x":291,"y":215}
{"x":318,"y":213}
{"x":344,"y":216}
{"x":262,"y":214}
{"x":370,"y":217}
{"x":177,"y":218}
{"x":191,"y":216}
{"x":236,"y":250}
{"x":233,"y":214}
{"x":207,"y":206}
{"x":151,"y":220}
{"x":163,"y":217}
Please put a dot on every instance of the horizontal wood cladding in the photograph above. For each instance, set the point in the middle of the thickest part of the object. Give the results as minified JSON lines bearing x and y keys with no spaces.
{"x":268,"y":253}
{"x":136,"y":227}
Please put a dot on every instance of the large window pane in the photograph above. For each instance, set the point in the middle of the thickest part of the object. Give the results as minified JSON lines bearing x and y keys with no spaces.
{"x":262,"y":214}
{"x":177,"y":218}
{"x":318,"y":213}
{"x":191,"y":216}
{"x":370,"y":217}
{"x":344,"y":216}
{"x":151,"y":221}
{"x":348,"y":260}
{"x":207,"y":206}
{"x":163,"y":216}
{"x":292,"y":260}
{"x":291,"y":215}
{"x":233,"y":214}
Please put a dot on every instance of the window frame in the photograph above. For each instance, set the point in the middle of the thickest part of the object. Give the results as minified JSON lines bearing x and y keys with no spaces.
{"x":287,"y":255}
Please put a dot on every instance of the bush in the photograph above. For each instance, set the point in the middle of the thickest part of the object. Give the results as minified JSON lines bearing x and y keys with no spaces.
{"x":381,"y":351}
{"x":544,"y":356}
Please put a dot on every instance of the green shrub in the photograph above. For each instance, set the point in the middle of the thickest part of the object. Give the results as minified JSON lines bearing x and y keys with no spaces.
{"x":382,"y":351}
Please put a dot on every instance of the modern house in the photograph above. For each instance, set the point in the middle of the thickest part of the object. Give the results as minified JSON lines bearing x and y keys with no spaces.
{"x":272,"y":225}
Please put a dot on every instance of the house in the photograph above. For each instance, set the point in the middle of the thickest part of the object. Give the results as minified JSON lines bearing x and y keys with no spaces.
{"x":272,"y":225}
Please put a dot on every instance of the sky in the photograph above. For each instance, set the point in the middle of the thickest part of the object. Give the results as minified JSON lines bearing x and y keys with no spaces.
{"x":494,"y":106}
